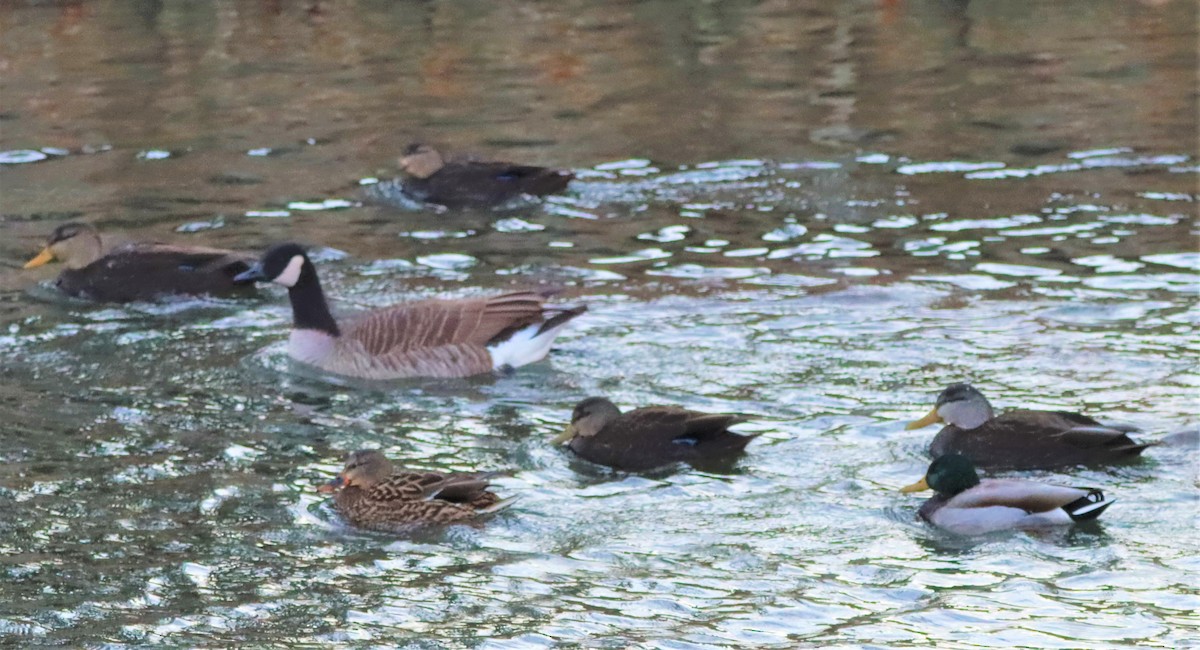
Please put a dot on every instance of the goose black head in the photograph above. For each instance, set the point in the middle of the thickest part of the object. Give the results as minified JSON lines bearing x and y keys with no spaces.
{"x":281,"y":264}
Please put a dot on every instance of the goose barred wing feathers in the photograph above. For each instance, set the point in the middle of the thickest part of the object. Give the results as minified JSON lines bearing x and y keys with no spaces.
{"x":438,"y":338}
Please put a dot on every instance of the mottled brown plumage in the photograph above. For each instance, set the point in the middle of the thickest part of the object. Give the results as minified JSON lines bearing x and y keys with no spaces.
{"x":429,"y":338}
{"x":1023,"y":439}
{"x":140,"y":270}
{"x":370,"y":495}
{"x":651,"y":436}
{"x":429,"y":178}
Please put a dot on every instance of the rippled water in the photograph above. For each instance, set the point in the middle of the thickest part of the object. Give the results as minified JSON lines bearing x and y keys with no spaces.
{"x":813,"y":214}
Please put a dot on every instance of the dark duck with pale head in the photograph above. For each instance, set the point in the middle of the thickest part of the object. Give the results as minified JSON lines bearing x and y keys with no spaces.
{"x":431,"y":178}
{"x":427,"y":338}
{"x":1022,"y":438}
{"x":140,"y":270}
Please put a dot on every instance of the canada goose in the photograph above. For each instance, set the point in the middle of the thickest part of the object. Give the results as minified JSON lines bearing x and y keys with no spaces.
{"x":428,"y":338}
{"x":140,"y":270}
{"x":1022,"y":439}
{"x":968,"y":506}
{"x":370,"y":495}
{"x":651,"y":436}
{"x":430,"y":178}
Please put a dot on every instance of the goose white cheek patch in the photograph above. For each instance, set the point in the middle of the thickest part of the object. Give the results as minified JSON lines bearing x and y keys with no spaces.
{"x":291,"y":274}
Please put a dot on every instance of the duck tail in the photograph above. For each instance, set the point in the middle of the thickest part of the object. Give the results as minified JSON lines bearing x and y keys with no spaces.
{"x":1089,"y":506}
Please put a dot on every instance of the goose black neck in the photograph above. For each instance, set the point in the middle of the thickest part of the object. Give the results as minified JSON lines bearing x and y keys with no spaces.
{"x":309,"y":310}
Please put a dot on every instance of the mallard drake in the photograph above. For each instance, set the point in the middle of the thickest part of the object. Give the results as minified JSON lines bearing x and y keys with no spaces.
{"x":1022,"y":439}
{"x":968,"y":506}
{"x":430,"y":178}
{"x":651,"y":436}
{"x":428,"y":338}
{"x":371,"y":495}
{"x":140,"y":270}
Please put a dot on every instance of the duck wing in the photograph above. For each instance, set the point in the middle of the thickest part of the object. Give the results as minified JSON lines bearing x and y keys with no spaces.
{"x":466,"y":489}
{"x":1038,"y":439}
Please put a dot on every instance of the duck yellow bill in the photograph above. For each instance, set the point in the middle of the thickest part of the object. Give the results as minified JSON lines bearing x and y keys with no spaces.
{"x":929,"y":419}
{"x":42,"y":258}
{"x":566,"y":435}
{"x":919,"y":486}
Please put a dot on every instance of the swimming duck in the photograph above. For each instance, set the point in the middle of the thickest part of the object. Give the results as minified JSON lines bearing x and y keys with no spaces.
{"x":1022,"y":439}
{"x":651,"y":436}
{"x":968,"y":506}
{"x":428,"y":338}
{"x":140,"y":270}
{"x":430,"y":178}
{"x":371,"y":495}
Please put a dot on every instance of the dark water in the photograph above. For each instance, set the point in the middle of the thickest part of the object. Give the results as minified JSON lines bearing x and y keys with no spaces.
{"x":815,"y":214}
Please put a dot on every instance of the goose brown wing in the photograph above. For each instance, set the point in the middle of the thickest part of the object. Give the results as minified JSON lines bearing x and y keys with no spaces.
{"x":435,"y":323}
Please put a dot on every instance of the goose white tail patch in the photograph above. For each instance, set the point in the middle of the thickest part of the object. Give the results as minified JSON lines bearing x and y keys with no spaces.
{"x":523,"y":347}
{"x":291,"y":273}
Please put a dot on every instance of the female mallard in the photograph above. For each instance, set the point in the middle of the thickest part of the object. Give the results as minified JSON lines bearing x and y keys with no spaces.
{"x":650,"y":437}
{"x":429,"y":338}
{"x":370,"y":495}
{"x":1022,"y":439}
{"x":140,"y":270}
{"x":968,"y":506}
{"x":430,"y":178}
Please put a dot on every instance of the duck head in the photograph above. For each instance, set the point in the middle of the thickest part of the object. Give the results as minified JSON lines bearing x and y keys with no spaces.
{"x":364,"y":468}
{"x":588,"y":418}
{"x":960,"y":405}
{"x":75,"y":244}
{"x":282,"y":264}
{"x":948,"y":475}
{"x":421,"y":161}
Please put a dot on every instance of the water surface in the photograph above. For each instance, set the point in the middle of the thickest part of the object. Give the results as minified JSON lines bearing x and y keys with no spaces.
{"x":813,"y":214}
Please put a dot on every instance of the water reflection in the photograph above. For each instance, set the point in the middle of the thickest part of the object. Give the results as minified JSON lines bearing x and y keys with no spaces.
{"x":810,"y":213}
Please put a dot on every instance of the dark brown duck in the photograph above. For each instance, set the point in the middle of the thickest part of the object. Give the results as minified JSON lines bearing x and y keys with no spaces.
{"x":372,"y":496}
{"x":651,"y":437}
{"x":430,"y":178}
{"x":140,"y":270}
{"x":1022,"y":438}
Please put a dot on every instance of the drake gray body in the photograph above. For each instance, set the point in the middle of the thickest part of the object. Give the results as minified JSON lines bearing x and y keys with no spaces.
{"x":966,"y":505}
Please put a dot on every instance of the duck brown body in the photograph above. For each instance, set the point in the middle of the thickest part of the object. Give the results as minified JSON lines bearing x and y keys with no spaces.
{"x":145,"y":271}
{"x":141,"y":270}
{"x":471,"y":183}
{"x":1022,"y":438}
{"x":1028,"y":439}
{"x":370,"y":495}
{"x":653,"y":436}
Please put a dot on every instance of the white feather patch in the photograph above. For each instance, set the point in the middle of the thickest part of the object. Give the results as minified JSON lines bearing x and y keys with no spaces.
{"x":291,"y":274}
{"x":523,"y":347}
